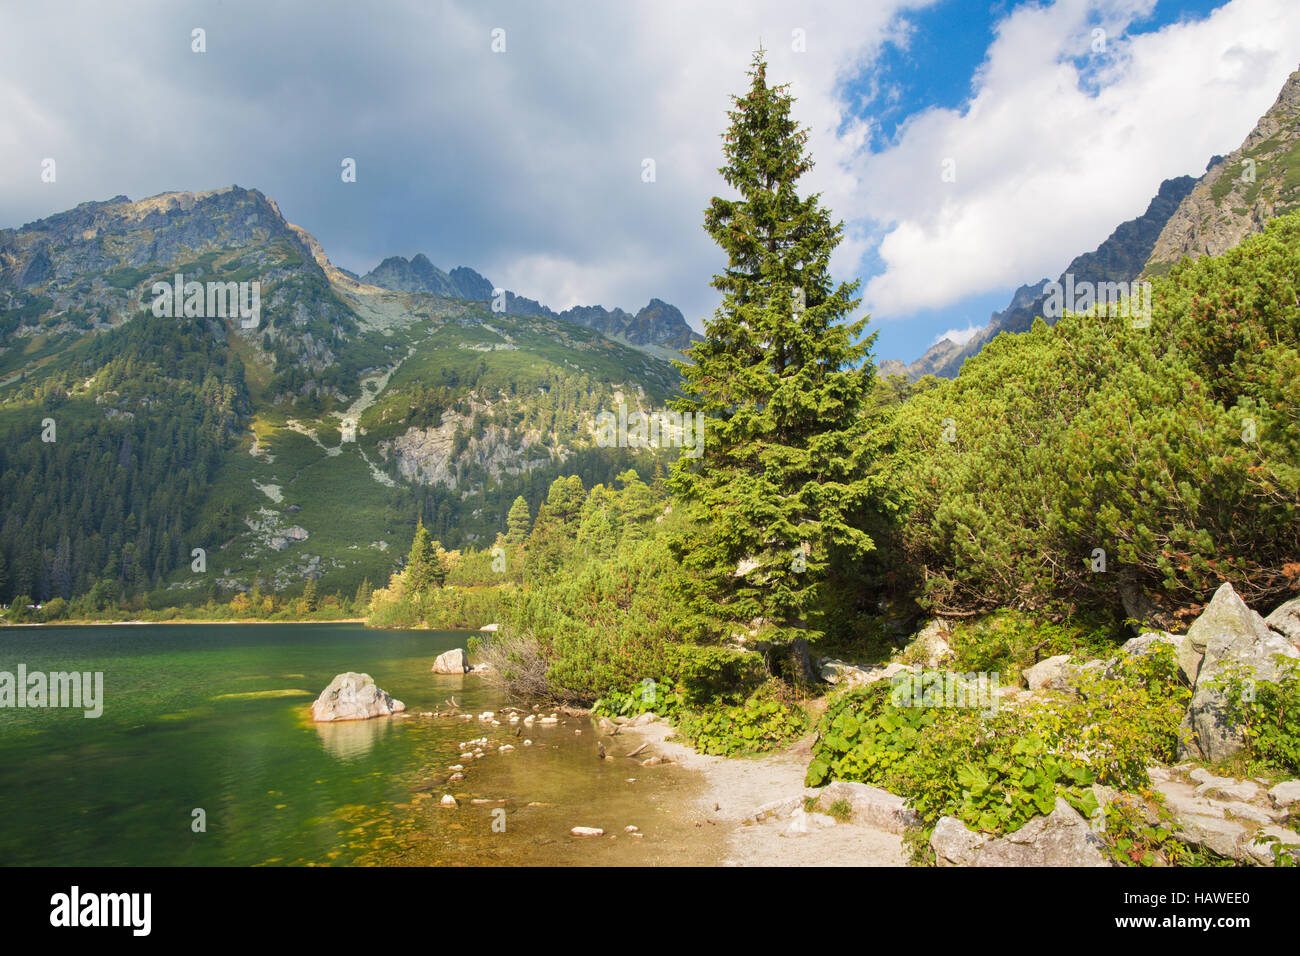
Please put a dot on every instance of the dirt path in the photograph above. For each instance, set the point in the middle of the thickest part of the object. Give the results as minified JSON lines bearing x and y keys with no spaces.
{"x":735,"y":788}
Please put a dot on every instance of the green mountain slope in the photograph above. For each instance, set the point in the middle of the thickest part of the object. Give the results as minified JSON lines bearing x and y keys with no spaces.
{"x":303,"y":448}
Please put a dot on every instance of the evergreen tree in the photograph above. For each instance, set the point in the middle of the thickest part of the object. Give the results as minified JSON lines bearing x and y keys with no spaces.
{"x":781,"y":378}
{"x":518,"y":522}
{"x":362,"y":600}
{"x":421,"y":563}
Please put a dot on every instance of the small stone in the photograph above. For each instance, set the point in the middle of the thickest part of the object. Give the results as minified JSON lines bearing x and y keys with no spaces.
{"x":448,"y":800}
{"x":587,"y":831}
{"x":1285,"y":793}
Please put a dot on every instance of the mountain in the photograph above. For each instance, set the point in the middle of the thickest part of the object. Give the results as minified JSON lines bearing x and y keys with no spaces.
{"x":301,"y":445}
{"x":1257,"y":182}
{"x":1120,"y":258}
{"x":659,"y":327}
{"x":1234,"y":198}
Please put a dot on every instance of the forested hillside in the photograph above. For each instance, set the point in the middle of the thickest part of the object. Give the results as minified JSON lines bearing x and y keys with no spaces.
{"x":303,"y":446}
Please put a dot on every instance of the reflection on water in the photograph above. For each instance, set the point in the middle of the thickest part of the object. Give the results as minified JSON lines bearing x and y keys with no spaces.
{"x":350,"y":739}
{"x":215,"y":717}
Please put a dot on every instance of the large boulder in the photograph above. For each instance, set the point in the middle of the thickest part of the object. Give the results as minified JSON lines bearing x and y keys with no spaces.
{"x":930,"y":647}
{"x":836,"y":672}
{"x":1187,"y":656}
{"x":451,"y":662}
{"x":354,"y":697}
{"x":954,"y":843}
{"x":1230,"y":635}
{"x":1286,"y":621}
{"x":870,"y":806}
{"x":1062,"y":838}
{"x":1055,"y":673}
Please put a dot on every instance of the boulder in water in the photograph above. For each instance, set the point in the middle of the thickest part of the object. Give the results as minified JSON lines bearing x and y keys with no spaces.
{"x":354,"y":697}
{"x":451,"y":662}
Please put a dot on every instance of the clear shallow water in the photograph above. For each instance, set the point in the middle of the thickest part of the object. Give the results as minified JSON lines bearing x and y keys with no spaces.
{"x":217,"y":717}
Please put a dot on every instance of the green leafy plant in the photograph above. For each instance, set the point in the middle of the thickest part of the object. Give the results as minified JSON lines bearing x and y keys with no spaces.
{"x":759,"y":724}
{"x":1267,"y":713}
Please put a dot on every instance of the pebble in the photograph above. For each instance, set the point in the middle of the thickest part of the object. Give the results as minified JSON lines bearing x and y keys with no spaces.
{"x":448,"y":800}
{"x":587,"y":831}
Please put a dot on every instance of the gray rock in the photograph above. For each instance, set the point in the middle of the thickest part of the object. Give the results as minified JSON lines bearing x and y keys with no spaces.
{"x":930,"y":647}
{"x":1230,"y":634}
{"x":954,"y":843}
{"x":836,"y":671}
{"x":871,"y":805}
{"x":1189,"y":659}
{"x":778,"y":808}
{"x":1221,"y":835}
{"x":1230,"y":789}
{"x":450,"y":662}
{"x":1055,"y":673}
{"x":1261,"y":851}
{"x":1062,"y":838}
{"x":354,"y":697}
{"x":1285,"y":793}
{"x":802,"y":822}
{"x":1285,"y":620}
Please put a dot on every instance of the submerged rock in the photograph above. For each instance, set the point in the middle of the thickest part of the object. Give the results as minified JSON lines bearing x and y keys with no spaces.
{"x":354,"y":697}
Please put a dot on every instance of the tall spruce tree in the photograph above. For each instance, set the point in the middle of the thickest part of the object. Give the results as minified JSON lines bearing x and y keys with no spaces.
{"x":421,"y":563}
{"x":518,"y":522}
{"x":782,"y":377}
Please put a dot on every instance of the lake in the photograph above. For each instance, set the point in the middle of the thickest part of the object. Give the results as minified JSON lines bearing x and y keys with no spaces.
{"x":216,"y":718}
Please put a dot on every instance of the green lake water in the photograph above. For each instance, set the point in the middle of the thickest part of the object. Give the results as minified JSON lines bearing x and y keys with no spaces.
{"x":217,"y":717}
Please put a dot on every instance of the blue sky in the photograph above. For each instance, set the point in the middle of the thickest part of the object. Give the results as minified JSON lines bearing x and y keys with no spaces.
{"x":935,"y":67}
{"x":526,"y":163}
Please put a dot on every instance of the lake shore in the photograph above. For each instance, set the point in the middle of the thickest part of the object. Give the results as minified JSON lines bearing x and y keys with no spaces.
{"x":736,"y":788}
{"x":249,"y":620}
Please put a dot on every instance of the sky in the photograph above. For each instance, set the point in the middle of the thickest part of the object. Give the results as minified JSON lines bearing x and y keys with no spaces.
{"x":969,"y":147}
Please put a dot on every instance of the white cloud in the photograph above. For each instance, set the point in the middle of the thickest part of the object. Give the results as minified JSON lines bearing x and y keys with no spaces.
{"x":1044,"y":168}
{"x":960,"y":336}
{"x":526,"y":165}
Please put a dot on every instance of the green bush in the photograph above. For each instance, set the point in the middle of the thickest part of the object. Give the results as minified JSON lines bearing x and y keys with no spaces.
{"x":760,"y":724}
{"x":664,"y":699}
{"x":1268,"y":714}
{"x":718,"y":675}
{"x":1174,"y":448}
{"x":996,"y":772}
